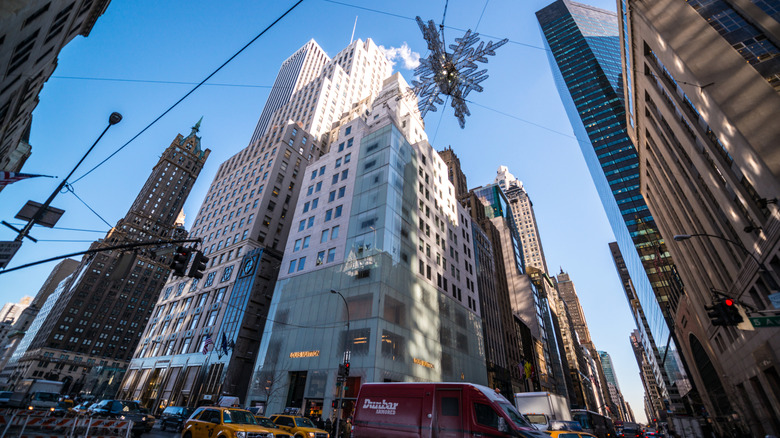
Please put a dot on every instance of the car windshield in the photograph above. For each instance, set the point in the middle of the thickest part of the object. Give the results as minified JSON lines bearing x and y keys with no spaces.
{"x":513,"y":415}
{"x":303,"y":422}
{"x":265,"y":422}
{"x":46,"y":396}
{"x":238,"y":417}
{"x":5,"y":394}
{"x":536,"y":418}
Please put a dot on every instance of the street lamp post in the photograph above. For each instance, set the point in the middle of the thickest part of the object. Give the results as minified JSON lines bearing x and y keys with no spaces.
{"x":761,"y":266}
{"x":113,"y":119}
{"x":346,"y":359}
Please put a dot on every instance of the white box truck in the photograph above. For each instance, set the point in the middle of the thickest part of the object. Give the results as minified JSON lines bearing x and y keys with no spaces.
{"x":36,"y":394}
{"x":540,"y":408}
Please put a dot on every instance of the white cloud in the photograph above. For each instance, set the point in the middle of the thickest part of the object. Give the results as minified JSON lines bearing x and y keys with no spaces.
{"x":410,"y":59}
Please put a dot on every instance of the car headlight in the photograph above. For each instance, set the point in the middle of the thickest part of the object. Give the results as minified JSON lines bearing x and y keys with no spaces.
{"x":311,"y":434}
{"x":143,"y":418}
{"x":240,"y":434}
{"x":121,"y":417}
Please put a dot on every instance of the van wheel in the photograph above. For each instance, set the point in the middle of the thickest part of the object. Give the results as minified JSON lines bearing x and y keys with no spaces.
{"x":187,"y":435}
{"x":162,"y":426}
{"x":298,"y":435}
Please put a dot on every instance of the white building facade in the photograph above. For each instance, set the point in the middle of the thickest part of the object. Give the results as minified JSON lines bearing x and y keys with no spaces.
{"x":377,"y":222}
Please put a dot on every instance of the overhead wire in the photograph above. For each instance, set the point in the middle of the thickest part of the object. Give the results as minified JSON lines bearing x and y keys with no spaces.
{"x":192,"y":90}
{"x":481,"y":15}
{"x":68,"y":229}
{"x":390,"y":14}
{"x":69,"y":188}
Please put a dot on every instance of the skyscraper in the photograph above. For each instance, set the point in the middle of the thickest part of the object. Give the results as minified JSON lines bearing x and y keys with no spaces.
{"x":315,"y":90}
{"x":703,"y":101}
{"x":33,"y":33}
{"x":62,"y":270}
{"x":379,"y":226}
{"x":678,"y":382}
{"x":616,"y":397}
{"x":96,"y":315}
{"x":300,"y":69}
{"x":524,"y":219}
{"x":585,"y":58}
{"x":244,"y":221}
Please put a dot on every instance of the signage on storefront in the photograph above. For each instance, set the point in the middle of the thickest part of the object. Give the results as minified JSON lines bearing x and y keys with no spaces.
{"x":423,"y":363}
{"x":298,"y":354}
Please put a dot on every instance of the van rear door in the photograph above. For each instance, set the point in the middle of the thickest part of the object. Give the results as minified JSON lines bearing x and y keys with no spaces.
{"x":449,"y":421}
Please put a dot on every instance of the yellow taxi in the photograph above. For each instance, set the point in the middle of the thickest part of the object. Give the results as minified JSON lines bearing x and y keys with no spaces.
{"x":219,"y":422}
{"x":268,"y":424}
{"x":298,"y":427}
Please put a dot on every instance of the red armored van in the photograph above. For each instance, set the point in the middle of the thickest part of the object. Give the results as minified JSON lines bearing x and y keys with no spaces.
{"x":436,"y":410}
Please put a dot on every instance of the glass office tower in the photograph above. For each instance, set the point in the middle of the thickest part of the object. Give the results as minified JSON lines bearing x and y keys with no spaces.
{"x":584,"y":51}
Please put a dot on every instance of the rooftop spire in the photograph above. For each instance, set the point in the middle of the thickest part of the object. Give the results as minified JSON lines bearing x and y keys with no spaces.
{"x":196,"y":128}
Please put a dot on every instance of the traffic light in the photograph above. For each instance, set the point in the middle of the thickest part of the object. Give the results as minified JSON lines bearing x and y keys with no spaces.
{"x":346,"y":369}
{"x":342,"y":370}
{"x":180,"y":259}
{"x":724,"y":312}
{"x":199,"y":262}
{"x":731,"y":310}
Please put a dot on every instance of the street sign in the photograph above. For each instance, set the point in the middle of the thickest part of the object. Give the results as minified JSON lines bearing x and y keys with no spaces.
{"x":765,"y":321}
{"x":7,"y":251}
{"x":48,"y":219}
{"x":775,"y":300}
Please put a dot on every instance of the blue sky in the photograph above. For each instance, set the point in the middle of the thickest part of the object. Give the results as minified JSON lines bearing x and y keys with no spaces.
{"x":138,"y":47}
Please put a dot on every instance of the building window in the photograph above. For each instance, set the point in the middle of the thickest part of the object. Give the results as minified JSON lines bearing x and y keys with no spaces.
{"x":210,"y":279}
{"x":331,"y":255}
{"x":291,"y":269}
{"x":301,"y":263}
{"x":226,"y":274}
{"x":334,"y":232}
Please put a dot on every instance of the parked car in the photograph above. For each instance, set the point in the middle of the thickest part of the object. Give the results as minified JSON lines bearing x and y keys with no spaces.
{"x":174,"y":417}
{"x":217,"y":421}
{"x":81,"y":408}
{"x":298,"y":426}
{"x":63,"y":408}
{"x":5,"y":397}
{"x":267,"y":423}
{"x":125,"y":410}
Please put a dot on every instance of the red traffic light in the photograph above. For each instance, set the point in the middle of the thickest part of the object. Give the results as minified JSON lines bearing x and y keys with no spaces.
{"x":729,"y":302}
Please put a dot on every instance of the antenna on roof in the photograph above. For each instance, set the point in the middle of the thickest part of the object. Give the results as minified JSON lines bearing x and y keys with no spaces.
{"x":353,"y":31}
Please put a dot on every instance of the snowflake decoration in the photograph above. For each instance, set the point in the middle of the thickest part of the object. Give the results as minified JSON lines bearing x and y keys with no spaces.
{"x":453,"y":74}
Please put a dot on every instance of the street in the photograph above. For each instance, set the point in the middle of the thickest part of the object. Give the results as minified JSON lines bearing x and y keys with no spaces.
{"x":157,"y":433}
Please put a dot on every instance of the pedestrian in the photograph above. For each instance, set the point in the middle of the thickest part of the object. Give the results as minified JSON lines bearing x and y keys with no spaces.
{"x":328,"y":426}
{"x":347,"y":428}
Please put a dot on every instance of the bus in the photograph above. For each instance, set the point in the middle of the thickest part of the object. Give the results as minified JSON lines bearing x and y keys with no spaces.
{"x":594,"y":423}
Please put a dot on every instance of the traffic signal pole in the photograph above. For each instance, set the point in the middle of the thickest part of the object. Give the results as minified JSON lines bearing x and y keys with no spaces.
{"x":108,"y":248}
